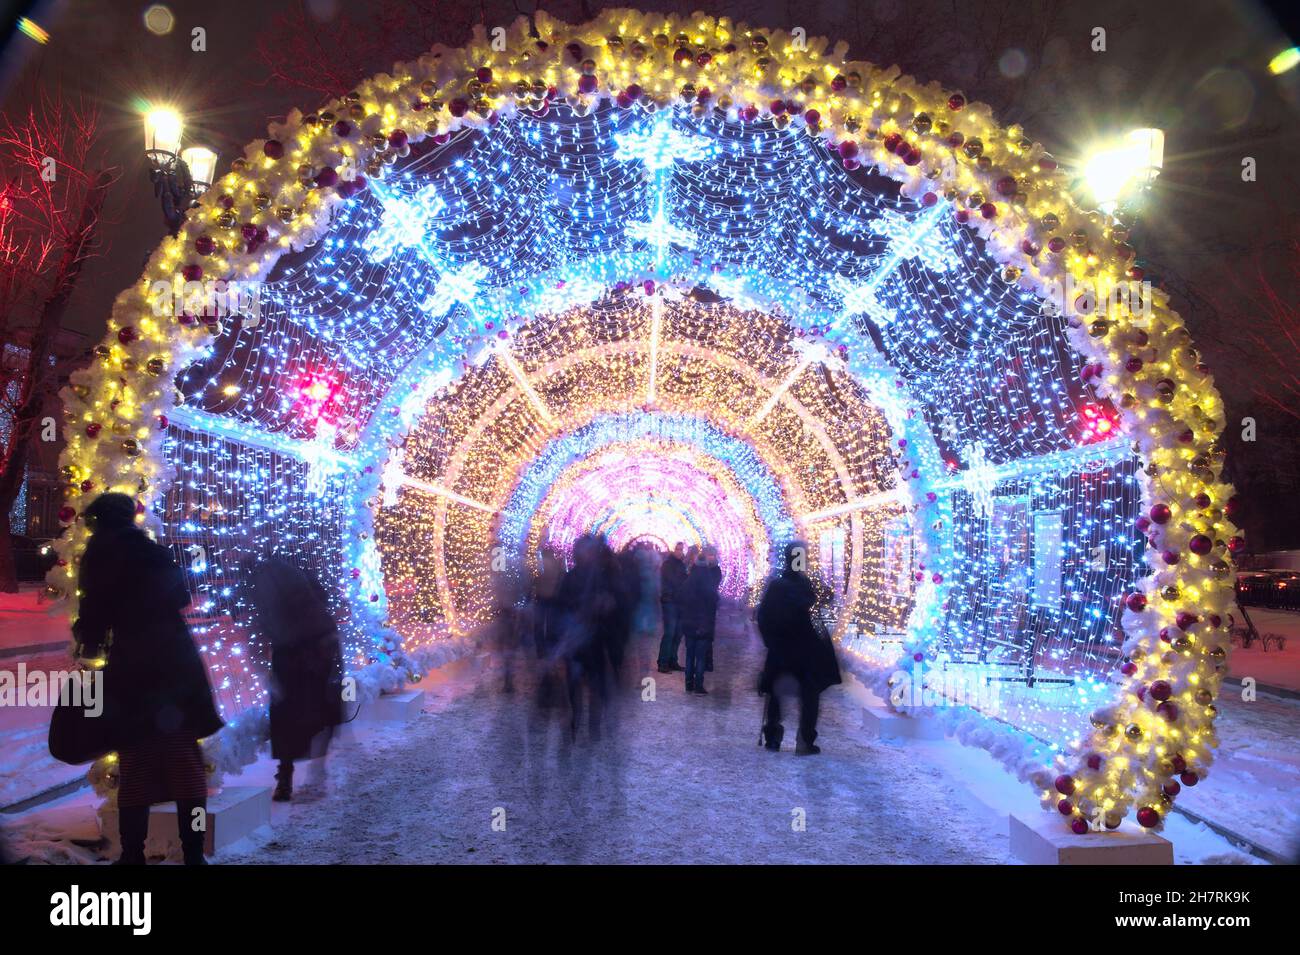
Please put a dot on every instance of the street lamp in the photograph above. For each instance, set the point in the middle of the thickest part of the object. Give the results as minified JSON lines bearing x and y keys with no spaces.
{"x":179,"y":176}
{"x":1121,"y":168}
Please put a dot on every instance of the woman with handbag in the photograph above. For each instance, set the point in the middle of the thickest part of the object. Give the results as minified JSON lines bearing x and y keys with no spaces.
{"x":157,"y":699}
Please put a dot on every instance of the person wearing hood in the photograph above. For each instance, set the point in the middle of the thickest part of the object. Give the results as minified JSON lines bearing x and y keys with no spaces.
{"x":292,"y":613}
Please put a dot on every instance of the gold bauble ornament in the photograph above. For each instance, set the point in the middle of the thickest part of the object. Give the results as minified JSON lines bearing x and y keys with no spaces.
{"x":284,"y":213}
{"x":227,"y":220}
{"x":155,"y":366}
{"x":131,"y":447}
{"x":1133,"y":731}
{"x":262,"y":201}
{"x":1204,"y":697}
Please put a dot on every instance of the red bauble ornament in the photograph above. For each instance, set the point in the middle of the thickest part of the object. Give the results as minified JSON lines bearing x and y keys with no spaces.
{"x":989,"y":210}
{"x":93,"y":429}
{"x":1079,"y":827}
{"x":1160,"y":513}
{"x":1133,"y":365}
{"x":749,"y":114}
{"x":1200,"y":544}
{"x":67,"y":514}
{"x":204,"y":245}
{"x":458,"y":107}
{"x":1184,"y":619}
{"x":1161,"y":690}
{"x":1170,"y":557}
{"x":1007,"y":186}
{"x":956,"y":101}
{"x":812,"y":117}
{"x":343,"y":129}
{"x":839,"y":83}
{"x":1171,"y":789}
{"x":1236,"y":544}
{"x":1136,"y":602}
{"x":484,"y":74}
{"x":1168,"y":710}
{"x":1179,"y":763}
{"x":1189,"y":779}
{"x":1128,"y":668}
{"x":1056,"y":244}
{"x":848,"y":149}
{"x":1065,"y":784}
{"x":398,"y":138}
{"x":929,"y":199}
{"x":273,"y":149}
{"x":192,"y":272}
{"x":587,"y":83}
{"x":1232,"y":507}
{"x":777,"y":107}
{"x":127,"y":335}
{"x":1065,"y":807}
{"x":1094,"y":761}
{"x":892,"y":142}
{"x":327,"y":177}
{"x":1148,"y":818}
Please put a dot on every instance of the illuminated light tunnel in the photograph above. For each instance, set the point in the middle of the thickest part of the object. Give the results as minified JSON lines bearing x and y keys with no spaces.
{"x":740,"y":295}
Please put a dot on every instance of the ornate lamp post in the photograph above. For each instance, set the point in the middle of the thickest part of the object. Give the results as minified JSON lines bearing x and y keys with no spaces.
{"x":179,"y":176}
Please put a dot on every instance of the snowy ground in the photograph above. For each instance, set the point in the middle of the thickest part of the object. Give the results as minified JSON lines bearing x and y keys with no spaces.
{"x":676,"y":779}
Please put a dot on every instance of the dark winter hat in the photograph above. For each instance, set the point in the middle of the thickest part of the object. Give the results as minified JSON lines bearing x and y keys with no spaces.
{"x":110,"y":512}
{"x":794,"y":556}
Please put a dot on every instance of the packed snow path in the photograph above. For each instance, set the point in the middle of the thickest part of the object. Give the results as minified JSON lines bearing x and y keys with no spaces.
{"x":677,"y":779}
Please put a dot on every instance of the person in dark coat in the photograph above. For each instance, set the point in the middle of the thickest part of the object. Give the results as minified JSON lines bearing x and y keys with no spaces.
{"x":292,"y":612}
{"x":672,"y":573}
{"x":589,"y":607}
{"x":157,"y":697}
{"x":699,"y":611}
{"x":798,"y":656}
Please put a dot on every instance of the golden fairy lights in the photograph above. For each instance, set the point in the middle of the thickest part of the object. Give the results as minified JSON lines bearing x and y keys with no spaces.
{"x":822,"y":440}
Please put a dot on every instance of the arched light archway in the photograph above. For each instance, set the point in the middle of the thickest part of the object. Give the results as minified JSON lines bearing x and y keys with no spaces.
{"x":636,"y":96}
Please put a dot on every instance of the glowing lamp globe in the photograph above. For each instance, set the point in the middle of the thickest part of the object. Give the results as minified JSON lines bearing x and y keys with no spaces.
{"x":163,"y":127}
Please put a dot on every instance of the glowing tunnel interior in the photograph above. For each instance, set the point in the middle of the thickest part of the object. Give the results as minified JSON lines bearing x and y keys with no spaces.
{"x":663,"y":327}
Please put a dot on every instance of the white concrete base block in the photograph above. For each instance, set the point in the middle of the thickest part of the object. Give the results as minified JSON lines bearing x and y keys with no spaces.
{"x":1043,"y":839}
{"x":392,"y":708}
{"x":232,"y":814}
{"x":885,"y":724}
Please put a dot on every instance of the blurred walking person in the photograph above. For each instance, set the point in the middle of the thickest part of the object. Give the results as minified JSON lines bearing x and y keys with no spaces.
{"x":699,"y":613}
{"x":292,"y":612}
{"x":548,"y":622}
{"x":800,"y":658}
{"x":672,"y":574}
{"x":157,"y":697}
{"x":590,"y":608}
